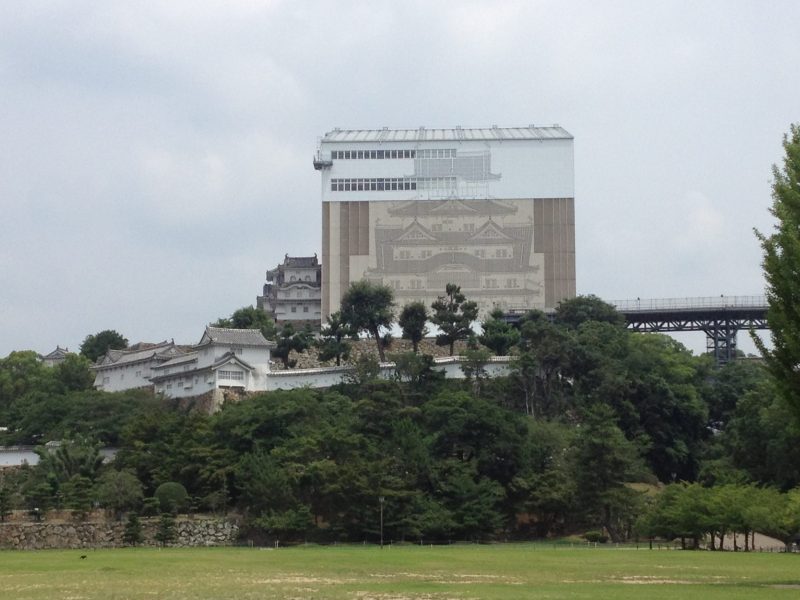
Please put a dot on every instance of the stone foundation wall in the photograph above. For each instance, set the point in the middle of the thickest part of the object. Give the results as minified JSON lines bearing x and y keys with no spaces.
{"x":197,"y":531}
{"x":310,"y":360}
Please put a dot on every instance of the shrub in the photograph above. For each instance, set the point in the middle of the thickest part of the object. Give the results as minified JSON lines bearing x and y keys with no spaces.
{"x":172,"y":496}
{"x":595,"y":536}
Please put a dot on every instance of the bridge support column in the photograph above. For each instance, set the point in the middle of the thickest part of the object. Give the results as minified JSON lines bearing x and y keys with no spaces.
{"x":721,"y":342}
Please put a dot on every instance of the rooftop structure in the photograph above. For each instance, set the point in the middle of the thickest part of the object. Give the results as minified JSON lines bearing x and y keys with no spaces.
{"x":56,"y":357}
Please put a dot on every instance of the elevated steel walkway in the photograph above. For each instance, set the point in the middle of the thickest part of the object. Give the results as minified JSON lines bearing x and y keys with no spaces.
{"x":719,"y":317}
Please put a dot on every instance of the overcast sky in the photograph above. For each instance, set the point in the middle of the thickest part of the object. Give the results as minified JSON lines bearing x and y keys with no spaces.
{"x":155,"y":157}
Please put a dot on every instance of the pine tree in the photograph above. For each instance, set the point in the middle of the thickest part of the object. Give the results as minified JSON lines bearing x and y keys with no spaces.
{"x":133,"y":530}
{"x":166,"y":529}
{"x":5,"y":503}
{"x":782,"y":273}
{"x":453,"y":314}
{"x":334,"y":340}
{"x":412,"y":320}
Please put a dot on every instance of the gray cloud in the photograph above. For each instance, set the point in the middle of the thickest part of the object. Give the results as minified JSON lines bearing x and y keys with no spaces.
{"x":155,"y":157}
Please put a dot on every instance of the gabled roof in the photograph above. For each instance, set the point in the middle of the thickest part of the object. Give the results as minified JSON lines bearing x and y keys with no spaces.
{"x":162,"y":351}
{"x":300,"y":261}
{"x":230,"y":357}
{"x":178,"y":360}
{"x":56,"y":354}
{"x":236,"y":337}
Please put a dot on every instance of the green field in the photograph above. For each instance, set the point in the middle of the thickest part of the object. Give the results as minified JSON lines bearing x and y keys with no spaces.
{"x":396,"y":573}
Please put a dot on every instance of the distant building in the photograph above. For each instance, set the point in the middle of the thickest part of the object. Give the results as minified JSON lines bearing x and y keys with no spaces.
{"x":227,"y":364}
{"x":293,"y":291}
{"x":132,"y":368}
{"x":222,"y":359}
{"x":56,"y":357}
{"x":491,"y":210}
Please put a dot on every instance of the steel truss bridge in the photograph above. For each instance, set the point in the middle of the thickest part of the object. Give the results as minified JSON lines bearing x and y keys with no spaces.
{"x":719,"y":317}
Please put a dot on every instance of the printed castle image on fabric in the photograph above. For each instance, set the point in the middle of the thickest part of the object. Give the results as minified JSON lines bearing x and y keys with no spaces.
{"x":484,"y":246}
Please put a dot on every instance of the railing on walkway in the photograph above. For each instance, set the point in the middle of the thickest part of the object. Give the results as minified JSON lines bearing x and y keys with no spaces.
{"x":655,"y":304}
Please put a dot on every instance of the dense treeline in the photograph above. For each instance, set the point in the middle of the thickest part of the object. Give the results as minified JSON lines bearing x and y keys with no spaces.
{"x":591,"y":423}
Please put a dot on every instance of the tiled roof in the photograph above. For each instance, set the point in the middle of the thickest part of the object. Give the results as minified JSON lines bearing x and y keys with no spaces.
{"x":59,"y":352}
{"x":178,"y":360}
{"x":121,"y":357}
{"x":422,"y":134}
{"x":238,"y":337}
{"x":300,"y":261}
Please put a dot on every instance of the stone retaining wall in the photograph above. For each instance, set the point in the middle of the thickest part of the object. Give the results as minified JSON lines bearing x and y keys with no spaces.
{"x":197,"y":531}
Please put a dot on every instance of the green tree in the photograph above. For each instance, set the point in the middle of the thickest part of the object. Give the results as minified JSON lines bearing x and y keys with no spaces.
{"x":762,"y":439}
{"x":172,"y":496}
{"x":5,"y":502}
{"x":474,"y":366}
{"x":542,"y":369}
{"x":334,"y":340}
{"x":249,"y":317}
{"x":22,"y":374}
{"x":132,"y":534}
{"x":543,"y":486}
{"x":578,"y":310}
{"x":669,"y":417}
{"x":96,"y":345}
{"x":453,"y":314}
{"x":166,"y":533}
{"x":782,"y":272}
{"x":419,"y":371}
{"x":413,"y":319}
{"x":292,"y":340}
{"x":290,"y":524}
{"x":119,"y":491}
{"x":603,"y":461}
{"x":74,"y":373}
{"x":367,"y":307}
{"x":78,"y":493}
{"x":80,"y":456}
{"x":498,"y":335}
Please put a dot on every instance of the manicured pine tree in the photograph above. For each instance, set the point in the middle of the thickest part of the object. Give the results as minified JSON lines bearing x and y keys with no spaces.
{"x":166,"y":529}
{"x":453,"y":314}
{"x":412,"y":320}
{"x":133,"y":530}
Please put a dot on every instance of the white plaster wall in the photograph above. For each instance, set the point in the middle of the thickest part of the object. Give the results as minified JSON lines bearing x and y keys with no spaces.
{"x":327,"y":377}
{"x":123,"y":377}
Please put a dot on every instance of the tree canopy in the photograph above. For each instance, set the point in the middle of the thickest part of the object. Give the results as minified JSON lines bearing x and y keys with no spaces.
{"x":249,"y":317}
{"x":782,"y":271}
{"x":453,"y":314}
{"x":413,"y":320}
{"x":96,"y":345}
{"x":367,"y":307}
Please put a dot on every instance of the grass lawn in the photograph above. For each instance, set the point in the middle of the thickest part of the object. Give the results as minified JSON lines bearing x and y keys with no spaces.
{"x":396,"y":573}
